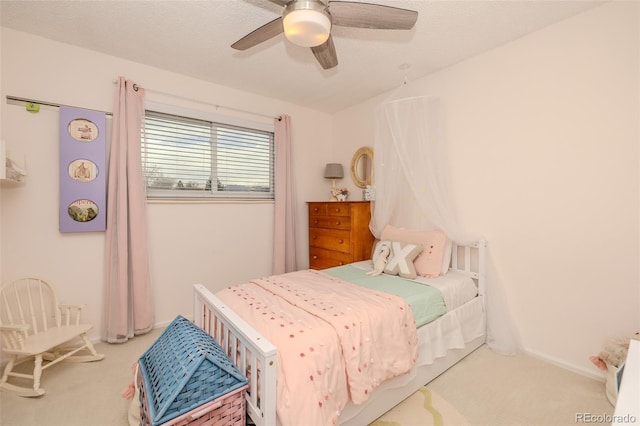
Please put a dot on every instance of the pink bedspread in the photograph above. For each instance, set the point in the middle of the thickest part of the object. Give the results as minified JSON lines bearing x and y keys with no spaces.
{"x":336,"y":340}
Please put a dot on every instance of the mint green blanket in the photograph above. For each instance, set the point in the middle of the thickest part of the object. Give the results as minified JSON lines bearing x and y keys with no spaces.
{"x":426,"y":302}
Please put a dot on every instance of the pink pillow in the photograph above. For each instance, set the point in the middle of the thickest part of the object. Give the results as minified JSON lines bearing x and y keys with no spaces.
{"x":429,"y":262}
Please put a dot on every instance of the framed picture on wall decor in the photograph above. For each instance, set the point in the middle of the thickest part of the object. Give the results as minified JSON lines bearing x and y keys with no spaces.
{"x":82,"y":170}
{"x":83,"y":130}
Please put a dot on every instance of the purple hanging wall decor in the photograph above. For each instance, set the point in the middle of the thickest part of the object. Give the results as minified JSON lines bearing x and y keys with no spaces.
{"x":83,"y":170}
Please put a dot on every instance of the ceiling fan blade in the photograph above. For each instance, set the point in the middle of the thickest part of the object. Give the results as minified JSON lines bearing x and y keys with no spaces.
{"x":367,"y":15}
{"x":280,"y":2}
{"x":326,"y":54}
{"x":263,"y":33}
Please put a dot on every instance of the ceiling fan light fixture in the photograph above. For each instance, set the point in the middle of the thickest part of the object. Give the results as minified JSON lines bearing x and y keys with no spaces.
{"x":306,"y":23}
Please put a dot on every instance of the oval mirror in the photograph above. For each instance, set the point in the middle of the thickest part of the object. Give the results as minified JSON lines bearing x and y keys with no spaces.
{"x":362,"y":167}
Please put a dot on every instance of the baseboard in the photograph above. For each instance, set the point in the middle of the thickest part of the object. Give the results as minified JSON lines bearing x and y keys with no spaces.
{"x":162,"y":324}
{"x":166,"y":323}
{"x":563,"y":364}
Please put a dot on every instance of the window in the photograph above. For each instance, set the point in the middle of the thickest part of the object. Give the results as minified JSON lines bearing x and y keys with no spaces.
{"x":186,"y":157}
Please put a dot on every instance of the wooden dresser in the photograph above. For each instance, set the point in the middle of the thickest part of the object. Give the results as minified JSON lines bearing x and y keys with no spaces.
{"x":339,"y":233}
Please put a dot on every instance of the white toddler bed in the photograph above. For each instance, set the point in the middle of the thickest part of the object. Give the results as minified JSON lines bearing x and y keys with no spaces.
{"x":441,"y":343}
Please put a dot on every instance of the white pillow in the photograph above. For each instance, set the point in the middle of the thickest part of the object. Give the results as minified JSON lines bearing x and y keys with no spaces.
{"x":377,"y":250}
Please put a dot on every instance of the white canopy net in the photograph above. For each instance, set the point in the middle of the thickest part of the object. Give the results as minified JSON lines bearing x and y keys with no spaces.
{"x":412,"y":191}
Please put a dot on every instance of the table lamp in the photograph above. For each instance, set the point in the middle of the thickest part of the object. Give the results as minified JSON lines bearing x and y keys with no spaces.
{"x":333,"y":171}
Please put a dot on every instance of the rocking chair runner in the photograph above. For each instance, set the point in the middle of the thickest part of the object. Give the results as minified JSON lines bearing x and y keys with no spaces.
{"x":33,"y":325}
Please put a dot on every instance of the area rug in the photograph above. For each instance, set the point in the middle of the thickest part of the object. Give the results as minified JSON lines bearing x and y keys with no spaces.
{"x":423,"y":408}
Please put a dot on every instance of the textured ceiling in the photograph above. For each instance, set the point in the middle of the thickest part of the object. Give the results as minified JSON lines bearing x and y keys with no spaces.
{"x":194,"y":37}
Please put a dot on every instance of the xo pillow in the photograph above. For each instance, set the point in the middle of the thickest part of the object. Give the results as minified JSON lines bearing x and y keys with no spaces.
{"x":401,"y":259}
{"x":430,"y":262}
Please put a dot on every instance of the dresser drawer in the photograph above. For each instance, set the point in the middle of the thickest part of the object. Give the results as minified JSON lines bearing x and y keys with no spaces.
{"x":317,"y":209}
{"x":331,"y":239}
{"x":339,"y":209}
{"x":332,"y":222}
{"x":320,"y":258}
{"x":331,"y":208}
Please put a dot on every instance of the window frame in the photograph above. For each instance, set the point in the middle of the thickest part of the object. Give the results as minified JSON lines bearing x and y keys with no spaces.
{"x":185,"y":196}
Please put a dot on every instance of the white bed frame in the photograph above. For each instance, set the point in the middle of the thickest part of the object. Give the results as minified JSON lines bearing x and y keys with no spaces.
{"x":253,"y":353}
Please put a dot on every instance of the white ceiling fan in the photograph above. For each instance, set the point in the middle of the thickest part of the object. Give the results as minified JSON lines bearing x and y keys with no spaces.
{"x":308,"y":23}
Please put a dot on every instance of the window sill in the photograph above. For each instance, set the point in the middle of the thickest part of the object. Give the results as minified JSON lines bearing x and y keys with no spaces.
{"x":208,"y":201}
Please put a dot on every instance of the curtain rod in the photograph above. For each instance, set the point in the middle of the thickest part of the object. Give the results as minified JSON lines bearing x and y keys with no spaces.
{"x":15,"y":100}
{"x":184,"y":98}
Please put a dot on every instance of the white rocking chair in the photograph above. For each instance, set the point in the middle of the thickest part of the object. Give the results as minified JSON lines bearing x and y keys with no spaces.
{"x":33,"y":325}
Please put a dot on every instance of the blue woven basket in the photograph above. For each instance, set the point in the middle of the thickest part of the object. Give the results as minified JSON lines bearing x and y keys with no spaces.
{"x":183,"y":369}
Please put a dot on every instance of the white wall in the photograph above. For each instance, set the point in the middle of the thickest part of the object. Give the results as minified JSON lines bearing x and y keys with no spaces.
{"x":543,"y":136}
{"x":213,"y":243}
{"x":543,"y":140}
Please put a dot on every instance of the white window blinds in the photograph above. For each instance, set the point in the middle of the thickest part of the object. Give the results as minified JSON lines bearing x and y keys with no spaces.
{"x":185,"y":157}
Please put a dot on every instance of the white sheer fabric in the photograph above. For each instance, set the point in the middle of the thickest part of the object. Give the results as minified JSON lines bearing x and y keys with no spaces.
{"x":412,"y":190}
{"x":411,"y":169}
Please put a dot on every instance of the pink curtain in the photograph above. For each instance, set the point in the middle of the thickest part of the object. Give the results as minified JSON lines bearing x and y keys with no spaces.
{"x":284,"y":240}
{"x":128,"y":307}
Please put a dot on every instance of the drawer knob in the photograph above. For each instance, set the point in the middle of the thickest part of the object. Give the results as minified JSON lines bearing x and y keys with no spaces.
{"x":315,"y":257}
{"x":315,"y":209}
{"x":338,"y":223}
{"x":337,"y":210}
{"x":316,"y":222}
{"x":341,"y":241}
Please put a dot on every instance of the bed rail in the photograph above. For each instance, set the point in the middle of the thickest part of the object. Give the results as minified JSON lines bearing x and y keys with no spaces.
{"x":250,"y":351}
{"x":469,"y":259}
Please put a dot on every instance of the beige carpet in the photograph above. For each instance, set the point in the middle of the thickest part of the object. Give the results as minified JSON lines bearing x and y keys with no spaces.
{"x":423,"y":408}
{"x":483,"y":389}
